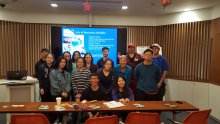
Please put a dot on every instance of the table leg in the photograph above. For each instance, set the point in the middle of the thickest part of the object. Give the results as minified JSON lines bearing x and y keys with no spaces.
{"x":79,"y":117}
{"x":174,"y":115}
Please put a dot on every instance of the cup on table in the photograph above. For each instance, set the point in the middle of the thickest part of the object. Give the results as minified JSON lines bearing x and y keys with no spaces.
{"x":58,"y":99}
{"x":77,"y":97}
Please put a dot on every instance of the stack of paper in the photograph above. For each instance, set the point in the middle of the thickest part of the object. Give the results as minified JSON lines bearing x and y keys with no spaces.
{"x":113,"y":104}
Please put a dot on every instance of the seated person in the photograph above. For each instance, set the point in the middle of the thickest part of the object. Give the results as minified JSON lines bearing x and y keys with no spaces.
{"x":94,"y":92}
{"x":123,"y":94}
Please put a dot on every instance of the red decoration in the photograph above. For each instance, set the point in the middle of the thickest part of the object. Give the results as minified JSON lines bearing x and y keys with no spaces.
{"x":165,"y":2}
{"x":87,"y":6}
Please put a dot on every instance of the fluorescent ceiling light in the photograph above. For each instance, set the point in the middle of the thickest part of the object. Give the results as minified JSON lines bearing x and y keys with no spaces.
{"x":54,"y":5}
{"x":124,"y":7}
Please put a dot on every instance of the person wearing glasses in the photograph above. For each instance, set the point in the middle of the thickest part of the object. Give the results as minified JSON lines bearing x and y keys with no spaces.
{"x":123,"y":70}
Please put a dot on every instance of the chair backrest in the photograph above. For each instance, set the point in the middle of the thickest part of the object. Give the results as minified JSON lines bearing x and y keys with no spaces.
{"x":29,"y":119}
{"x":142,"y":118}
{"x":103,"y":120}
{"x":197,"y":117}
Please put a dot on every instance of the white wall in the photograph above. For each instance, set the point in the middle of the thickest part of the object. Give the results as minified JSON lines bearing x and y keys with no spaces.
{"x":216,"y":12}
{"x":197,"y":15}
{"x":200,"y":94}
{"x":182,"y":17}
{"x":77,"y":19}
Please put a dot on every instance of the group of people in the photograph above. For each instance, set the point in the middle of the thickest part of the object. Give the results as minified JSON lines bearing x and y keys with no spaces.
{"x":136,"y":77}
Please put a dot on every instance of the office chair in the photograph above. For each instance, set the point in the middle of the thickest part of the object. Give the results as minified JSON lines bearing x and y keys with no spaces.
{"x":29,"y":119}
{"x":103,"y":120}
{"x":196,"y":117}
{"x":142,"y":118}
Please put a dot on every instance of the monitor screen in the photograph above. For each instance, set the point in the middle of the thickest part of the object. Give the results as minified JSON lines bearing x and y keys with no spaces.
{"x":90,"y":40}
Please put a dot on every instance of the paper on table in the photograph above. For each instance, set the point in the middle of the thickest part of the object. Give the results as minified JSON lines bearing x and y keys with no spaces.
{"x":113,"y":104}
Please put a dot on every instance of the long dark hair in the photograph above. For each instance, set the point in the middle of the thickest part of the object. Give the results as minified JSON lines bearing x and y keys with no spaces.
{"x":73,"y":60}
{"x":106,"y":62}
{"x":91,"y":57}
{"x":58,"y":62}
{"x":68,"y":53}
{"x":125,"y":91}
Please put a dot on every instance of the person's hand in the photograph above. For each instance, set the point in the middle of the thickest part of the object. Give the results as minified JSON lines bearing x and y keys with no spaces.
{"x":127,"y":100}
{"x":42,"y":91}
{"x":159,"y":85}
{"x":121,"y":100}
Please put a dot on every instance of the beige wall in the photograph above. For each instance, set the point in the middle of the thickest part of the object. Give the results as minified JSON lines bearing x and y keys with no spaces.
{"x":197,"y":15}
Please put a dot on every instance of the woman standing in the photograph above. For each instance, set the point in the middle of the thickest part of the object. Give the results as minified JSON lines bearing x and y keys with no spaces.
{"x":80,"y":77}
{"x":60,"y":84}
{"x":44,"y":81}
{"x":69,"y":64}
{"x":107,"y":78}
{"x":76,"y":55}
{"x":89,"y":63}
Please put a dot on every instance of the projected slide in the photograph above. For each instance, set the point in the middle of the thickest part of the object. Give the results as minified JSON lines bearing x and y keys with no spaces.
{"x":90,"y":40}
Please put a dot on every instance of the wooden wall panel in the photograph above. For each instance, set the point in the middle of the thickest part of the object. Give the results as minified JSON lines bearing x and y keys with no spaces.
{"x":36,"y":37}
{"x":215,"y":54}
{"x":11,"y":46}
{"x":141,"y":36}
{"x":187,"y":47}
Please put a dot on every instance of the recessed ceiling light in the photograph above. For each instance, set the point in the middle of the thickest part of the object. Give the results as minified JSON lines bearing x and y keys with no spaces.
{"x":54,"y":5}
{"x":124,"y":7}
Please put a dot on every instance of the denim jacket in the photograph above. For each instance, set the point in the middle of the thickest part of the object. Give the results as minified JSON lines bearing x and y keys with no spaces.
{"x":60,"y":82}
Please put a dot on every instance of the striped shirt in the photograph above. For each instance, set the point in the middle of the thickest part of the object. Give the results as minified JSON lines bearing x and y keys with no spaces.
{"x":80,"y":80}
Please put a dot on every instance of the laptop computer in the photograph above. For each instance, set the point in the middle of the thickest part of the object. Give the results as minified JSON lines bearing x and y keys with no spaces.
{"x":17,"y":75}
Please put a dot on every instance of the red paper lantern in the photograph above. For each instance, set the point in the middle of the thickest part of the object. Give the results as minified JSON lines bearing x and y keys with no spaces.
{"x":87,"y":6}
{"x":165,"y":2}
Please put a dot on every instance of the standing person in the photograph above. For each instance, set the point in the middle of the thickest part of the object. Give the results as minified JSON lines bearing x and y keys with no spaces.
{"x":147,"y":76}
{"x":94,"y":92}
{"x":122,"y":69}
{"x":105,"y":52}
{"x":44,"y":81}
{"x":80,"y":77}
{"x":123,"y":94}
{"x":89,"y":63}
{"x":76,"y":55}
{"x":42,"y":60}
{"x":133,"y":59}
{"x":107,"y":78}
{"x":80,"y":82}
{"x":69,"y":64}
{"x":60,"y":85}
{"x":161,"y":62}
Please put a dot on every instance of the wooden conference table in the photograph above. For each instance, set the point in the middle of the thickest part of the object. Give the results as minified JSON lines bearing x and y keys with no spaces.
{"x":149,"y":106}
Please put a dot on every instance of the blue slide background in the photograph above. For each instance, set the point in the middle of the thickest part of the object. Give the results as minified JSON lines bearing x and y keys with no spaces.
{"x":90,"y":40}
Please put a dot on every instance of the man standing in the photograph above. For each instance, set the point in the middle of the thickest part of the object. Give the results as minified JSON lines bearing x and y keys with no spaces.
{"x":133,"y":59}
{"x":147,"y":76}
{"x":105,"y":51}
{"x":43,"y":54}
{"x":122,"y":69}
{"x":161,"y":62}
